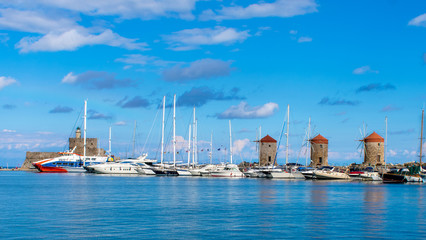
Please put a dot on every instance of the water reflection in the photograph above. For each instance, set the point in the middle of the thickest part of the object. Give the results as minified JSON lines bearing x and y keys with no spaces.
{"x":317,"y":221}
{"x":373,"y":208}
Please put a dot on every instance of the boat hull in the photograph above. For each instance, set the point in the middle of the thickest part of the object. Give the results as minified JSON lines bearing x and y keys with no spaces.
{"x":330,"y":175}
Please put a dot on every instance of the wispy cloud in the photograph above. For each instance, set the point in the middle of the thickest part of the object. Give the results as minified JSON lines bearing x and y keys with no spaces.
{"x":97,"y":80}
{"x":135,"y":102}
{"x":6,"y":81}
{"x":61,"y":109}
{"x":75,"y":38}
{"x":59,"y":31}
{"x":198,"y":96}
{"x":418,"y":21}
{"x":279,"y":8}
{"x":376,"y":87}
{"x":336,"y":102}
{"x":9,"y":106}
{"x":190,"y":39}
{"x":402,"y":132}
{"x":245,"y":111}
{"x":123,"y":9}
{"x":304,"y":39}
{"x":200,"y":69}
{"x":8,"y":131}
{"x":95,"y":115}
{"x":390,"y":108}
{"x":120,"y":123}
{"x":363,"y":70}
{"x":240,"y":144}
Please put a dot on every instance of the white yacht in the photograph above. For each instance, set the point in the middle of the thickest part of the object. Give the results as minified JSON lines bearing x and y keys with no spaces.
{"x":126,"y":166}
{"x":230,"y":170}
{"x":330,"y":174}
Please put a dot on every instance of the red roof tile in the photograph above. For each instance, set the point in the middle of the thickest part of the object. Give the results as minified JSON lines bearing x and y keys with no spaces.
{"x":268,"y":138}
{"x":374,"y":137}
{"x":319,"y":139}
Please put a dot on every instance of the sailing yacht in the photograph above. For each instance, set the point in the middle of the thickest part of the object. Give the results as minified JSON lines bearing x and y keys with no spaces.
{"x":230,"y":170}
{"x":70,"y":162}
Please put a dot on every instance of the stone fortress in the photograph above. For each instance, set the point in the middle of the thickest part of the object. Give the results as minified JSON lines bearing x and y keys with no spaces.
{"x":77,"y":142}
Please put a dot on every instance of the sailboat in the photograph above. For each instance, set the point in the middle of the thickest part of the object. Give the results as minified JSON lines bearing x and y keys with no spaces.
{"x":163,"y":169}
{"x":69,"y":161}
{"x":282,"y":173}
{"x":413,"y":173}
{"x":230,"y":169}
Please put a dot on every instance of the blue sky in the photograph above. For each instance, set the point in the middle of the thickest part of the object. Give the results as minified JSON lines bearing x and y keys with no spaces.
{"x":342,"y":63}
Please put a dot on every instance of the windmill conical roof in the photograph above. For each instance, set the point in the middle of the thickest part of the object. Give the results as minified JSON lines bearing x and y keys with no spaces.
{"x":268,"y":138}
{"x":319,"y":139}
{"x":374,"y":137}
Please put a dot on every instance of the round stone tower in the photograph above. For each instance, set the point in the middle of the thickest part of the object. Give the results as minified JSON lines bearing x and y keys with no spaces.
{"x":319,"y":151}
{"x":267,"y":151}
{"x":374,"y":150}
{"x":78,"y":133}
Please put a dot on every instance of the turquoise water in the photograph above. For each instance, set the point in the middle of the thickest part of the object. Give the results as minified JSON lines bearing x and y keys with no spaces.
{"x":71,"y":206}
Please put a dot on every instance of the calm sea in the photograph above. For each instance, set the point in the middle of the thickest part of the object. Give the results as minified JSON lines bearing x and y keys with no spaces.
{"x":73,"y":206}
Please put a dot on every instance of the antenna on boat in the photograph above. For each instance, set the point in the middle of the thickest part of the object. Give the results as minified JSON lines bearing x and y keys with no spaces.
{"x":193,"y":139}
{"x":211,"y":148}
{"x":109,"y":141}
{"x":308,"y":145}
{"x":84,"y":132}
{"x":189,"y":145}
{"x":174,"y":130}
{"x":287,"y":135}
{"x":134,"y":140}
{"x":386,"y":139}
{"x":230,"y":140}
{"x":162,"y":131}
{"x":421,"y":140}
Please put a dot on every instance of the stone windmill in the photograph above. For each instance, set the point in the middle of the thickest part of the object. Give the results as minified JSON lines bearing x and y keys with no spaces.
{"x":374,"y":150}
{"x":319,"y":151}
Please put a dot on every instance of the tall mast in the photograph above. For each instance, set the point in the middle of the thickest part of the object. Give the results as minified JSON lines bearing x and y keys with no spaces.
{"x":189,"y":145}
{"x":84,"y":130}
{"x":211,"y":148}
{"x":230,"y":140}
{"x":193,"y":139}
{"x":260,"y":137}
{"x":174,"y":130}
{"x":421,"y":140}
{"x":134,"y":141}
{"x":162,"y":130}
{"x":109,"y":142}
{"x":386,"y":139}
{"x":196,"y":141}
{"x":288,"y":129}
{"x":308,"y":145}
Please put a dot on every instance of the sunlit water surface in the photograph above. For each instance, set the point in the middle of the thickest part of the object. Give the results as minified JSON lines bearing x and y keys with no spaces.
{"x":71,"y":206}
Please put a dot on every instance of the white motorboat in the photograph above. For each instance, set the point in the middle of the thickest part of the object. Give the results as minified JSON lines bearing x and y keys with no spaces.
{"x":230,"y":170}
{"x":370,"y":176}
{"x":126,"y":166}
{"x":330,"y":175}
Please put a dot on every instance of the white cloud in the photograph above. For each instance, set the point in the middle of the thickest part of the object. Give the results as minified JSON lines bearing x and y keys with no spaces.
{"x":392,"y":153}
{"x":243,"y":110}
{"x":74,"y":39}
{"x":97,"y":80}
{"x":189,"y":39}
{"x":120,"y":123}
{"x":200,"y":69}
{"x":363,"y":70}
{"x":34,"y":22}
{"x":142,"y":60}
{"x":8,"y":131}
{"x":6,"y":81}
{"x":293,"y":32}
{"x":304,"y":39}
{"x":279,"y":8}
{"x":418,"y":21}
{"x":125,"y":9}
{"x":239,"y":145}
